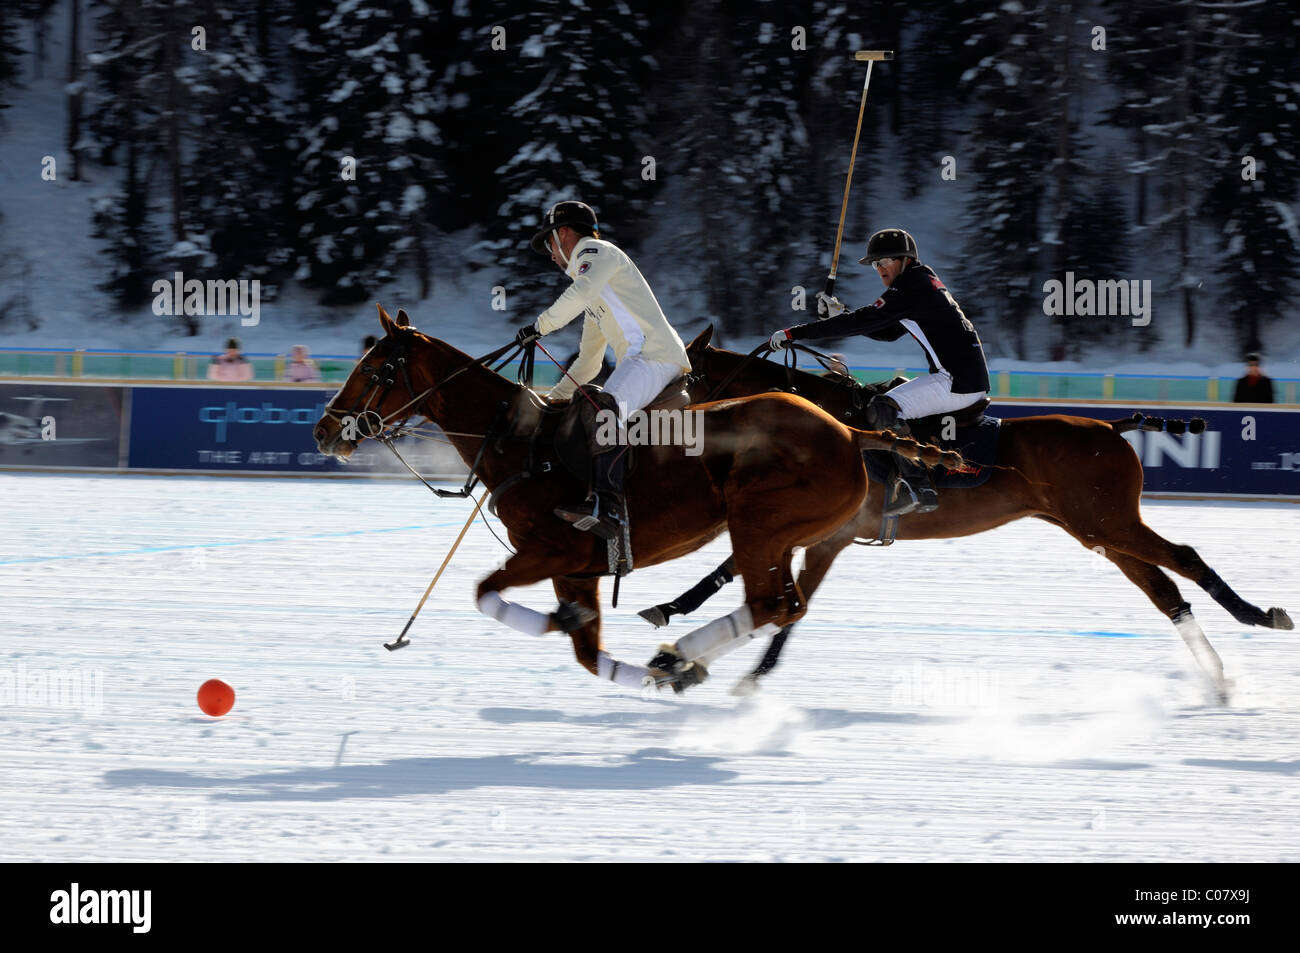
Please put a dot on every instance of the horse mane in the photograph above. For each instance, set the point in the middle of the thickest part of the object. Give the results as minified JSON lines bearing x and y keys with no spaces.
{"x":782,"y":377}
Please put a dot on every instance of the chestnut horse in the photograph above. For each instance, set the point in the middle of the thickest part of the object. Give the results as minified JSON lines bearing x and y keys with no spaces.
{"x":1073,"y":472}
{"x":775,"y":470}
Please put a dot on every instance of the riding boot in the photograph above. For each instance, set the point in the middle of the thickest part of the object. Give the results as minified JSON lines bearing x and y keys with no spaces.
{"x":911,"y":490}
{"x":603,"y":513}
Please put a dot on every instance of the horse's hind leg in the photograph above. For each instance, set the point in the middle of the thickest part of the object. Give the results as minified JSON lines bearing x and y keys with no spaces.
{"x":772,"y":600}
{"x":1163,"y":591}
{"x":1142,"y":542}
{"x":817,"y":563}
{"x":1164,"y":594}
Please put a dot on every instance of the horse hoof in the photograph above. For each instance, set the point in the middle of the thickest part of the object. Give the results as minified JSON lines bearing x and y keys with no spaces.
{"x":746,"y":687}
{"x":1223,"y":692}
{"x":677,"y":671}
{"x":1278,"y":619}
{"x":655,"y":616}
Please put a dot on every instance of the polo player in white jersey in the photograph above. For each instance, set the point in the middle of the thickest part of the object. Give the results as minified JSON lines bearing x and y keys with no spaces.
{"x":620,"y":312}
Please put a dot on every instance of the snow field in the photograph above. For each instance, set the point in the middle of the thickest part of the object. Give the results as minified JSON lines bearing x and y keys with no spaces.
{"x":1008,"y":696}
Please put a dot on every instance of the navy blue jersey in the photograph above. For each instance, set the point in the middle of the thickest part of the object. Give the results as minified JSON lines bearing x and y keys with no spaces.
{"x":918,"y":304}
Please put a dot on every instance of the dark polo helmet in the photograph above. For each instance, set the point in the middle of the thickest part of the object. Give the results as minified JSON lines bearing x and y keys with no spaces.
{"x":577,"y":215}
{"x":890,"y":243}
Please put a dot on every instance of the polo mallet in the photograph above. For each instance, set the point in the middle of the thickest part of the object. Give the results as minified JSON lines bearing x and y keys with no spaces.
{"x":402,"y":641}
{"x":576,"y":385}
{"x":870,"y":56}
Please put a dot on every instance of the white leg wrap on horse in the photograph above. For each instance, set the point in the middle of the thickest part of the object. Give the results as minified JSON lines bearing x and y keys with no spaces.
{"x":1201,"y":648}
{"x":720,"y":636}
{"x":620,"y":673}
{"x":517,"y":617}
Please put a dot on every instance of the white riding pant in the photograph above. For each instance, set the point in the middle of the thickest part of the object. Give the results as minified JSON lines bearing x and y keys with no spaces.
{"x":636,"y":382}
{"x":929,"y":395}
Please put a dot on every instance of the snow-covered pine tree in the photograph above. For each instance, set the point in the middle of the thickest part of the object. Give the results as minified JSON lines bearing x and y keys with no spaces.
{"x":931,"y":61}
{"x":126,"y":123}
{"x":1171,"y":57}
{"x":239,"y":211}
{"x":1253,"y":196}
{"x":367,"y":113}
{"x":1011,"y":151}
{"x":1086,"y":226}
{"x":574,"y":132}
{"x":11,"y":49}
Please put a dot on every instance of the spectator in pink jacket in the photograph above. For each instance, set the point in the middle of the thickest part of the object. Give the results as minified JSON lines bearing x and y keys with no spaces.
{"x":231,"y":366}
{"x":301,"y":368}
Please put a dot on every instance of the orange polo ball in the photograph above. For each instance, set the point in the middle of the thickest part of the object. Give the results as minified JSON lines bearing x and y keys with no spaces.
{"x":216,"y":697}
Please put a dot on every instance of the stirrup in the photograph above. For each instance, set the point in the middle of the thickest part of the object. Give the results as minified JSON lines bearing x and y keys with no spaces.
{"x":605,"y":525}
{"x":906,"y":499}
{"x":902,"y":500}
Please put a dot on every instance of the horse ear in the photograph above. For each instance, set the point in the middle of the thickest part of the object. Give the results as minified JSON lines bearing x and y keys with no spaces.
{"x":701,"y":340}
{"x":385,"y":321}
{"x":403,"y":319}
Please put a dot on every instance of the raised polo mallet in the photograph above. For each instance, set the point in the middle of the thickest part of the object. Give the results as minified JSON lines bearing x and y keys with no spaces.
{"x":402,"y":641}
{"x":870,"y":56}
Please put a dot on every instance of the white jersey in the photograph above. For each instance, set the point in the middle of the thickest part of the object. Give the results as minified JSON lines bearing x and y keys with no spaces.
{"x":621,"y":312}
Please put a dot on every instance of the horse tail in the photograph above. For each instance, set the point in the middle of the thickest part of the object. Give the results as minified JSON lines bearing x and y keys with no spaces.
{"x":1140,"y":421}
{"x":908,"y":447}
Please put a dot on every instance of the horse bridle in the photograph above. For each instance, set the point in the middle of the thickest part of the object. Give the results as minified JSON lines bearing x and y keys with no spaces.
{"x":383,"y":379}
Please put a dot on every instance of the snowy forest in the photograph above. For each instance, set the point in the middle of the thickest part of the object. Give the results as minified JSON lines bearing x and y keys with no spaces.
{"x":1153,"y":140}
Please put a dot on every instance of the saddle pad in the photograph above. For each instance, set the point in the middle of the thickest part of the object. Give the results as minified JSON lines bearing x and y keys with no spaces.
{"x":978,"y":445}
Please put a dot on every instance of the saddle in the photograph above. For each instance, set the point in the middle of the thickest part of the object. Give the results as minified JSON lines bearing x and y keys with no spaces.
{"x":930,"y":429}
{"x":555,"y":435}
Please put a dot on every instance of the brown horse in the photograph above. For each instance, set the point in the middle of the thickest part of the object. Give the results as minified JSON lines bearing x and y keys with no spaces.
{"x":1073,"y":472}
{"x":741,"y":478}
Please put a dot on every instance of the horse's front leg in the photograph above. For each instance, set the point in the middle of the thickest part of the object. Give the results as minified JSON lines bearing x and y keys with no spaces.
{"x":525,"y":568}
{"x":587,"y":644}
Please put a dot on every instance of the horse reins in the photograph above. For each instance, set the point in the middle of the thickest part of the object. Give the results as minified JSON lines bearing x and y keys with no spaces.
{"x":385,"y":430}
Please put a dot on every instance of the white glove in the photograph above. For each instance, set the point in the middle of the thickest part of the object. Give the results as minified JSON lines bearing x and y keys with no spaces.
{"x":779,"y":339}
{"x":828,"y":306}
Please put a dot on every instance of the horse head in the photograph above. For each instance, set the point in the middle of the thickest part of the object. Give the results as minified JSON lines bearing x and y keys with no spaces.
{"x":389,"y":384}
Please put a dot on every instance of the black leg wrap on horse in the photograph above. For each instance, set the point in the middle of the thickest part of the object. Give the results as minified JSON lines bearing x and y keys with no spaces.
{"x":1237,"y":607}
{"x":773,"y":653}
{"x":694,"y":597}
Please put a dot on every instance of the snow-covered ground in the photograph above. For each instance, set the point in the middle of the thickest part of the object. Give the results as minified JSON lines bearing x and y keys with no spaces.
{"x":1003,"y":697}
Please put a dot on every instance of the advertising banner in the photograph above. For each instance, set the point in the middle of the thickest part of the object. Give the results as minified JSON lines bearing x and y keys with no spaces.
{"x":251,"y":430}
{"x":1244,"y":451}
{"x":60,"y":425}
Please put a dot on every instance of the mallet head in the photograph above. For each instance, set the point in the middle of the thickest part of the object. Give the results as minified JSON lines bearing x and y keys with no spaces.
{"x":874,"y":55}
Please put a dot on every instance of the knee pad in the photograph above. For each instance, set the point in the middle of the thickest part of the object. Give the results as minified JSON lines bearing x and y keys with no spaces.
{"x":883,"y":413}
